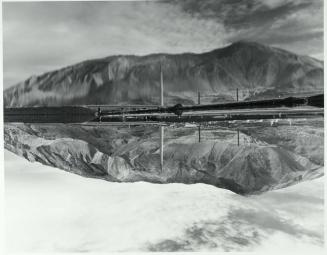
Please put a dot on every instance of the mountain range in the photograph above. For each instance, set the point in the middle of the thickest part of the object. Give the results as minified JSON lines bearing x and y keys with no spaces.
{"x":267,"y":158}
{"x":256,"y":70}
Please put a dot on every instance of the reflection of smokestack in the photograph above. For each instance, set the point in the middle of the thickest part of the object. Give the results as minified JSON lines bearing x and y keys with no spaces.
{"x":161,"y":127}
{"x":238,"y":137}
{"x":161,"y":87}
{"x":161,"y":146}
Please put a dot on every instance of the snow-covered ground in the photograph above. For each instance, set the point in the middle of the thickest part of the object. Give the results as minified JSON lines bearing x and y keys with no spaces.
{"x":50,"y":210}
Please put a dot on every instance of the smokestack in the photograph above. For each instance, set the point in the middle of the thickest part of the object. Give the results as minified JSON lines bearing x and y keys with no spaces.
{"x":161,"y":87}
{"x":161,"y":127}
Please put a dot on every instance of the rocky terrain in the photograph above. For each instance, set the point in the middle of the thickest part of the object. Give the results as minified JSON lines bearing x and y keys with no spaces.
{"x":267,"y":158}
{"x":258,"y":71}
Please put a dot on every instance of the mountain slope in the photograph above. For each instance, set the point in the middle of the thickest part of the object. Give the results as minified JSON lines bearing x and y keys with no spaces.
{"x":256,"y":70}
{"x":130,"y":155}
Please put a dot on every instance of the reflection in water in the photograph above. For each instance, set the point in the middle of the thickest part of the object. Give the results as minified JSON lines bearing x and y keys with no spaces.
{"x":162,"y":139}
{"x":162,"y":147}
{"x":244,"y":157}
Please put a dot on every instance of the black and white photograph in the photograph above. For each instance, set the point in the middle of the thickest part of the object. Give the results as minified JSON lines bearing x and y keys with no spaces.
{"x":163,"y":126}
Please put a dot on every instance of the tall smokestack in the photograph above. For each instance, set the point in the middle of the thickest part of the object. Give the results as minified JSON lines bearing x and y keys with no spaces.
{"x":161,"y":87}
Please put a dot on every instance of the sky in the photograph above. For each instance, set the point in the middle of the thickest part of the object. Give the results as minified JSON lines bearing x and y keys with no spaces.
{"x":44,"y":36}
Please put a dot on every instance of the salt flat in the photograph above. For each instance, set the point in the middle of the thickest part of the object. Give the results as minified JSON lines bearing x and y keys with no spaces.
{"x":50,"y":210}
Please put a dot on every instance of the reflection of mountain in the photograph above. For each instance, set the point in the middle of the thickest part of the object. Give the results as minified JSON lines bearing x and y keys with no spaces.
{"x":128,"y":155}
{"x":251,"y":67}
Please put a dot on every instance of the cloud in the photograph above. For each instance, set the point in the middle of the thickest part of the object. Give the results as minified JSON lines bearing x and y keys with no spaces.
{"x":39,"y":37}
{"x":42,"y":36}
{"x":282,"y":23}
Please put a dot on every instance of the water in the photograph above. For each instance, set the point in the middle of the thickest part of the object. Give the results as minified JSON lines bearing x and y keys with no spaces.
{"x":242,"y":156}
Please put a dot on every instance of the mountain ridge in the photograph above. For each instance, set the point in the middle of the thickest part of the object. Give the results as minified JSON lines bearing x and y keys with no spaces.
{"x":131,"y":155}
{"x":256,"y":70}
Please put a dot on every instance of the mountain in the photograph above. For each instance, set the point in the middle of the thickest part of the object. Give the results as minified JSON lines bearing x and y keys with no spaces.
{"x":122,"y":154}
{"x":258,"y":71}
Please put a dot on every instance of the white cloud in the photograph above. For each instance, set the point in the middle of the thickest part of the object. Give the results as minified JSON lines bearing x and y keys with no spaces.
{"x":56,"y":35}
{"x":40,"y":37}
